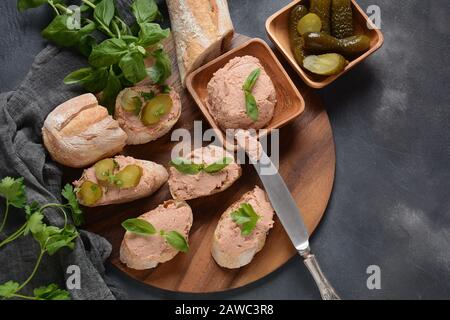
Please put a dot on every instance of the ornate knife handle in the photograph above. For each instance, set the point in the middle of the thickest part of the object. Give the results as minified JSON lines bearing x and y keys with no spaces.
{"x":326,"y":290}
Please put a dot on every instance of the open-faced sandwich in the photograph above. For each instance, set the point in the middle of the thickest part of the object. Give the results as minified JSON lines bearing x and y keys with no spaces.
{"x":203,"y":172}
{"x":119,"y":180}
{"x":80,"y":132}
{"x":242,"y":230}
{"x":147,"y":113}
{"x":156,"y":236}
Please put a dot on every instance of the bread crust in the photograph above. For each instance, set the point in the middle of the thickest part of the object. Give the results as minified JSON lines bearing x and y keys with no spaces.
{"x":80,"y":132}
{"x":202,"y":30}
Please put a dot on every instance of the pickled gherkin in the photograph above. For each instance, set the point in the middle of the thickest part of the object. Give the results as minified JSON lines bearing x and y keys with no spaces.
{"x":318,"y":43}
{"x":309,"y":23}
{"x":323,"y":9}
{"x":156,"y":108}
{"x":341,"y":18}
{"x":90,"y":193}
{"x":296,"y":39}
{"x":326,"y":64}
{"x":129,"y":177}
{"x":131,"y":101}
{"x":104,"y":169}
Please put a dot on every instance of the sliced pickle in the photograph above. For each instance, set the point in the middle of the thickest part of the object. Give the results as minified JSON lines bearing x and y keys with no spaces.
{"x":104,"y":169}
{"x":131,"y":101}
{"x":309,"y":23}
{"x":156,"y":108}
{"x":129,"y":177}
{"x":326,"y":64}
{"x":90,"y":193}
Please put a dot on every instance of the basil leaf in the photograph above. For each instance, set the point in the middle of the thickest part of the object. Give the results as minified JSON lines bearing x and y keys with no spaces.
{"x":139,"y":226}
{"x":151,"y":33}
{"x":77,"y":76}
{"x":92,"y":80}
{"x":185,"y":166}
{"x":251,"y":80}
{"x":104,"y":12}
{"x":59,"y":31}
{"x":108,"y":52}
{"x":86,"y":44}
{"x":176,"y":240}
{"x":96,"y":81}
{"x":23,"y":5}
{"x":251,"y":106}
{"x":112,"y":89}
{"x":8,"y":289}
{"x":162,"y":68}
{"x":145,"y":10}
{"x":133,"y":67}
{"x":218,"y":165}
{"x":51,"y":292}
{"x":129,"y":39}
{"x":246,"y":218}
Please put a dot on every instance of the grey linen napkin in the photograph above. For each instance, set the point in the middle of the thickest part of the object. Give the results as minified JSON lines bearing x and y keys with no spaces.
{"x":22,"y":114}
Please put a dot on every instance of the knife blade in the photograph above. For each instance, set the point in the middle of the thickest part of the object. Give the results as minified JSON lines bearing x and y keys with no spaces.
{"x":286,"y":209}
{"x":283,"y":202}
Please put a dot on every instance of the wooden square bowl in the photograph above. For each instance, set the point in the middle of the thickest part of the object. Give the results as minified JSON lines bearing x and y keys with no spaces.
{"x":277,"y":27}
{"x":290,"y":103}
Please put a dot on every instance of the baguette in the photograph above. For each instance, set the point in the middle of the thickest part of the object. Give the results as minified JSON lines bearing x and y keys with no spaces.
{"x":80,"y":132}
{"x":230,"y":249}
{"x":146,"y":252}
{"x":202,"y":30}
{"x":153,"y":177}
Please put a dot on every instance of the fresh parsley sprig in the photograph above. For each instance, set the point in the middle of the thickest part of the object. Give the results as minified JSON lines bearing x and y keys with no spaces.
{"x":188,"y":167}
{"x":50,"y":238}
{"x":145,"y":228}
{"x":118,"y":61}
{"x":246,"y":218}
{"x":250,"y":102}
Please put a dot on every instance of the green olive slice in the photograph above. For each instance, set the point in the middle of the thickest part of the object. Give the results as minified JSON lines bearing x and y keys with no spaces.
{"x":309,"y":23}
{"x":129,"y":177}
{"x":156,"y":108}
{"x":90,"y":193}
{"x":104,"y":169}
{"x":131,"y":101}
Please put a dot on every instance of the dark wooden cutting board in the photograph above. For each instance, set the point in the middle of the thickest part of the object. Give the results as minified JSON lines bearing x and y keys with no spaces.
{"x":307,"y":163}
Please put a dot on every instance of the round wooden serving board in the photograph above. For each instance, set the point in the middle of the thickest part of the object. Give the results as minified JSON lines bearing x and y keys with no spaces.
{"x":307,"y":163}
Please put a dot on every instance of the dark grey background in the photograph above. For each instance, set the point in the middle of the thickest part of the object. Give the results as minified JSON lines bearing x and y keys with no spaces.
{"x":390,"y":205}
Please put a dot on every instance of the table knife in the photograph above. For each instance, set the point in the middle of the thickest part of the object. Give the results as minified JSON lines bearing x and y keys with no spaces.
{"x":290,"y":217}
